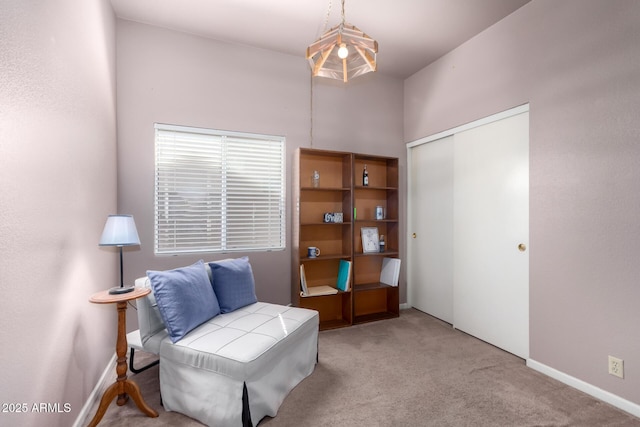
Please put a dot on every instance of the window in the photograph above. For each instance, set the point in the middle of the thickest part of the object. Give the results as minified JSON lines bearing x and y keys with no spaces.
{"x":218,"y":191}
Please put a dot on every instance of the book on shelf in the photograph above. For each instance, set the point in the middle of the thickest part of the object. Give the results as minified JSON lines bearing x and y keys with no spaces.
{"x":303,"y":281}
{"x":344,"y":275}
{"x":390,"y":271}
{"x":312,"y":291}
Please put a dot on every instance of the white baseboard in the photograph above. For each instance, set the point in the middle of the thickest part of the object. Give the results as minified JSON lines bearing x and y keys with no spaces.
{"x":598,"y":393}
{"x":96,"y":393}
{"x":404,"y":306}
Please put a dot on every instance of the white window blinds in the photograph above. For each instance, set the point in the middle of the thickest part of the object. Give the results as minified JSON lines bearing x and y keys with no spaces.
{"x":218,"y":191}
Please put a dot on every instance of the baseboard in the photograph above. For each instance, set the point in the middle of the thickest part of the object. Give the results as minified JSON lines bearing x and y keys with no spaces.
{"x":598,"y":393}
{"x":96,"y":393}
{"x":404,"y":306}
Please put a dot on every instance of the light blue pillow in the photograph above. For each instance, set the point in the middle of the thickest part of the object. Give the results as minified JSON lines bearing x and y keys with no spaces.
{"x":185,"y":298}
{"x":233,"y":283}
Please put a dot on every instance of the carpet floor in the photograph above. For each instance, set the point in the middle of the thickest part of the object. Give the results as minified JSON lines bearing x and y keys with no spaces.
{"x":410,"y":371}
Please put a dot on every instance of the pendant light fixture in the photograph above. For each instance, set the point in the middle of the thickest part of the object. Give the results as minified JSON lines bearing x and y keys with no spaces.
{"x":342,"y":52}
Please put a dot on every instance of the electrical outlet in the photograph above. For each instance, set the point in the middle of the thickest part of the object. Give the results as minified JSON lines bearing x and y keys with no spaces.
{"x":616,"y":367}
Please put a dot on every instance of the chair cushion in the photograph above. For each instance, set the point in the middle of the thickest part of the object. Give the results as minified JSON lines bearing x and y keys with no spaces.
{"x":246,"y":343}
{"x":233,"y":283}
{"x":185,"y":298}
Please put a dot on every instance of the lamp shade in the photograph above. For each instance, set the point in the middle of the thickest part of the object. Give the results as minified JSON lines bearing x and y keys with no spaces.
{"x":119,"y":230}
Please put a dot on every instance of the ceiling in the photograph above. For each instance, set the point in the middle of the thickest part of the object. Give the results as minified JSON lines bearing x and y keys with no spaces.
{"x":410,"y":33}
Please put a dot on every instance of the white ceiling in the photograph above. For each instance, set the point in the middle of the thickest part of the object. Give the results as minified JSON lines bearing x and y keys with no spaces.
{"x":410,"y":33}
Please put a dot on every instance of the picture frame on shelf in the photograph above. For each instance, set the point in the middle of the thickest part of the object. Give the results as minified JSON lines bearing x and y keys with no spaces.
{"x":370,"y":239}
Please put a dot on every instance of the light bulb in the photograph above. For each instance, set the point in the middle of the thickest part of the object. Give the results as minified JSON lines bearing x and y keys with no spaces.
{"x":343,"y":52}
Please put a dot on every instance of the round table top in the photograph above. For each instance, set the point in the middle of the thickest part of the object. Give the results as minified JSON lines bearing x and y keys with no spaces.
{"x":104,"y":297}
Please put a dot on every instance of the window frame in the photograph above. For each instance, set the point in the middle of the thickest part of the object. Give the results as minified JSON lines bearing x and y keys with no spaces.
{"x":266,"y":195}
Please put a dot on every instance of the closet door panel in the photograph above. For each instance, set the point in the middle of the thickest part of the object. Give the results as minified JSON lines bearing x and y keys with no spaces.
{"x":491,"y":233}
{"x":431,"y":240}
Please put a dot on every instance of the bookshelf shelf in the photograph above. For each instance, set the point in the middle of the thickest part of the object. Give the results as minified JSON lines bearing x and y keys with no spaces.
{"x":370,"y":286}
{"x":325,"y":258}
{"x":327,"y":189}
{"x":376,"y":254}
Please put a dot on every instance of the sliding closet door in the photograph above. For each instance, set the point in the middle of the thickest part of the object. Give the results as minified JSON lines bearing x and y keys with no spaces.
{"x":468,"y":261}
{"x":431,"y":215}
{"x":491,"y":217}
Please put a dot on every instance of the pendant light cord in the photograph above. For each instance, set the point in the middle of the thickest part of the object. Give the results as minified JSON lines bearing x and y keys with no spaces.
{"x":326,"y":18}
{"x":311,"y":109}
{"x":324,"y":30}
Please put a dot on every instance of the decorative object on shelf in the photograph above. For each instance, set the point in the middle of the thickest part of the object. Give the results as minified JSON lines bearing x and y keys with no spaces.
{"x":315,"y":179}
{"x":313,"y":252}
{"x":342,"y":52}
{"x":379,"y":212}
{"x":370,"y":241}
{"x":120,"y":230}
{"x":365,"y":177}
{"x":382,"y":243}
{"x":332,"y":217}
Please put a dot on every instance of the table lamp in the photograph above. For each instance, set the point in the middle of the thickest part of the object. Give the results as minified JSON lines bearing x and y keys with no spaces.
{"x":120,"y":230}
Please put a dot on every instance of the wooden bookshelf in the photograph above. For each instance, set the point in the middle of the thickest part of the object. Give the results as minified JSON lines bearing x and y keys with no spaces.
{"x":340,"y":189}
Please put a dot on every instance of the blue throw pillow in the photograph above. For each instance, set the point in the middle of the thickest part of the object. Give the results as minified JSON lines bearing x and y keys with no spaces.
{"x":184,"y":297}
{"x":233,"y":283}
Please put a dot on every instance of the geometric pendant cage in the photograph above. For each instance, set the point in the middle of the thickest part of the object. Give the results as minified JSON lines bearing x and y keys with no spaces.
{"x":343,"y":52}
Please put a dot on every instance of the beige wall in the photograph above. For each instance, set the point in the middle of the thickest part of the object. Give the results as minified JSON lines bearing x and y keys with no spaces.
{"x":176,"y":78}
{"x":577,"y":63}
{"x":57,"y":185}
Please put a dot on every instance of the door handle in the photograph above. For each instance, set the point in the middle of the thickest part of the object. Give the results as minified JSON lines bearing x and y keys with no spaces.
{"x":414,"y":235}
{"x":522,"y":247}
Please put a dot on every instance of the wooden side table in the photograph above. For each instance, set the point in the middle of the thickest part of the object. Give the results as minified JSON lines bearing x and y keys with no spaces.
{"x":123,"y":387}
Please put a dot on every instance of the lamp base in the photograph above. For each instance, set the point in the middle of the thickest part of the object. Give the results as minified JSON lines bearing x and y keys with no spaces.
{"x":120,"y":290}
